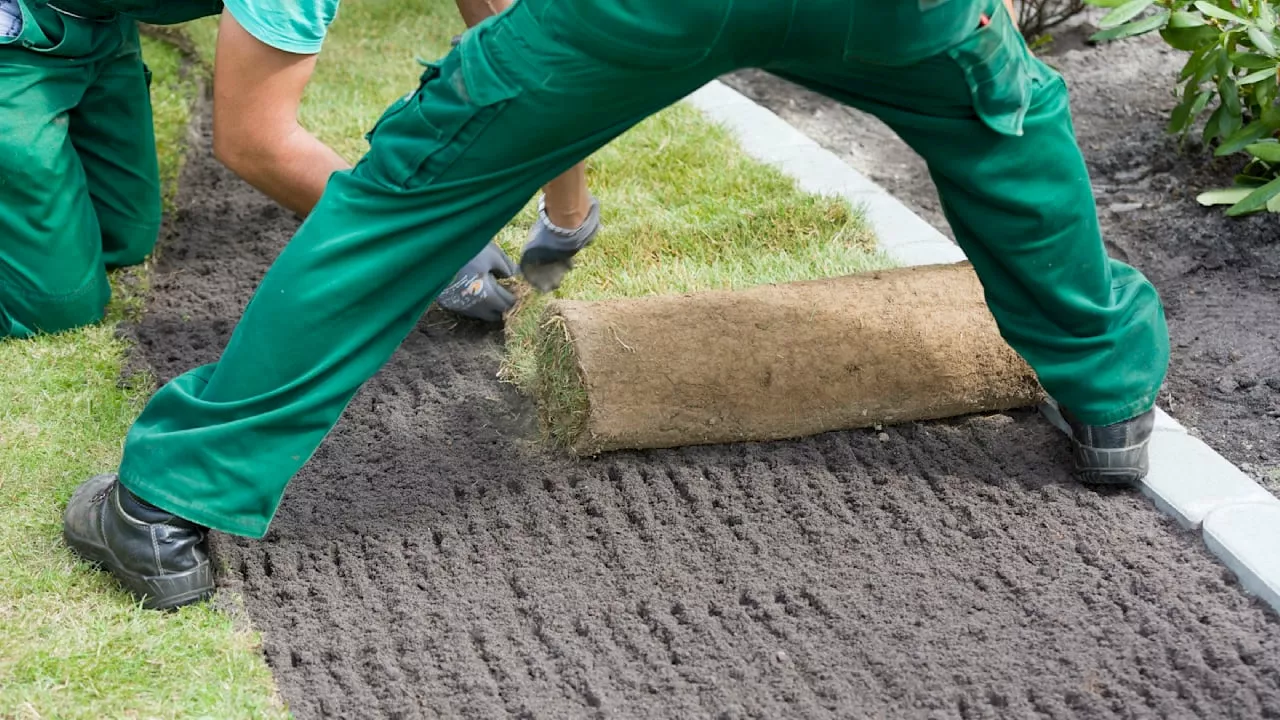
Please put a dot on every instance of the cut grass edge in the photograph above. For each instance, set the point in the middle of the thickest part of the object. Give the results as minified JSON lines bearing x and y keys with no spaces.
{"x":560,"y":388}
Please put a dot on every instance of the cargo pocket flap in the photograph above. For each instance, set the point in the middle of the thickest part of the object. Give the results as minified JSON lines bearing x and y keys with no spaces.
{"x":996,"y":66}
{"x":480,"y":82}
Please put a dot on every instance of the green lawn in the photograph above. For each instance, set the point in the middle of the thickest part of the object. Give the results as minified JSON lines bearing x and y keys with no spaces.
{"x":684,"y":210}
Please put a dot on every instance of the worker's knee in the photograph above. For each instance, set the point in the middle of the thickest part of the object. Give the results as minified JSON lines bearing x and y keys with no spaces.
{"x":25,"y":311}
{"x":33,"y":157}
{"x":128,"y":238}
{"x":52,"y":276}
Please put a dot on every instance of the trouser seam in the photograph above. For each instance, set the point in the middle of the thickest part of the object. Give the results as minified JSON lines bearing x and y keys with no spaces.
{"x":1120,"y":414}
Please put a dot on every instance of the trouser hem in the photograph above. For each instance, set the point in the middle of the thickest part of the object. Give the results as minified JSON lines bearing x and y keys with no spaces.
{"x":183,"y":508}
{"x":1116,"y":415}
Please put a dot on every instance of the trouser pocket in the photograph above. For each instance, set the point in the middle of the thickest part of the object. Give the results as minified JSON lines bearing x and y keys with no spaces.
{"x":1000,"y":72}
{"x":424,"y":132}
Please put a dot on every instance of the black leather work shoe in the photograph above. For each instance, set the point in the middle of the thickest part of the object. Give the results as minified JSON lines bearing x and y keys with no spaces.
{"x":1111,"y":454}
{"x":157,"y":555}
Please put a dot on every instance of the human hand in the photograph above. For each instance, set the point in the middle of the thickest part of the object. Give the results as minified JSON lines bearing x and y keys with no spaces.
{"x":475,"y":291}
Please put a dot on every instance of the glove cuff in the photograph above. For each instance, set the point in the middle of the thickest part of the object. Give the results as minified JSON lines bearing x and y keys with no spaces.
{"x":546,"y":220}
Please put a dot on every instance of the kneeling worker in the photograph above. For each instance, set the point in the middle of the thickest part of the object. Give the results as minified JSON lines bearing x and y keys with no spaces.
{"x":79,"y":181}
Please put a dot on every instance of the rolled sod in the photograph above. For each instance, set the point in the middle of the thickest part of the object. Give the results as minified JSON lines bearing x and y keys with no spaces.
{"x":774,"y":362}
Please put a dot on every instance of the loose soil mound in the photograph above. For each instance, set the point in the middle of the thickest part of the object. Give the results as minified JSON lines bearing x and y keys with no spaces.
{"x":432,"y":561}
{"x":1219,"y":277}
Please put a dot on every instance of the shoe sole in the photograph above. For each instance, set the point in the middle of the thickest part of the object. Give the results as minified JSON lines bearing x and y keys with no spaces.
{"x":157,"y":592}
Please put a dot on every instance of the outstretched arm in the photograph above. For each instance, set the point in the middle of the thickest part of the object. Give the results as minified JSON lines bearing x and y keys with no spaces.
{"x":257,"y":90}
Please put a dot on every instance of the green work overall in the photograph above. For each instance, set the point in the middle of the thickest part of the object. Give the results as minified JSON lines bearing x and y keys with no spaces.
{"x":79,"y":181}
{"x":529,"y":93}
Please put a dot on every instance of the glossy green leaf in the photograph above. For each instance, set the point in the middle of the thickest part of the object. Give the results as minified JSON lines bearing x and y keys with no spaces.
{"x":1242,"y":138}
{"x":1124,"y":13}
{"x":1187,"y":111}
{"x":1180,"y":118}
{"x":1258,"y":76}
{"x":1214,"y":11}
{"x":1223,"y":60}
{"x":1257,"y":200}
{"x":1202,"y":100}
{"x":1184,"y":19}
{"x":1230,"y":94}
{"x":1262,"y":41}
{"x":1263,"y":95}
{"x":1267,"y":152}
{"x":1137,"y":27}
{"x":1213,"y":64}
{"x":1229,"y":124}
{"x":1266,"y":16}
{"x":1226,"y":196}
{"x":1252,"y":61}
{"x":1190,"y":39}
{"x":1211,"y":125}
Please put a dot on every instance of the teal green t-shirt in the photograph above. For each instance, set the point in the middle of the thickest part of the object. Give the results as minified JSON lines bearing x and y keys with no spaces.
{"x":296,"y":26}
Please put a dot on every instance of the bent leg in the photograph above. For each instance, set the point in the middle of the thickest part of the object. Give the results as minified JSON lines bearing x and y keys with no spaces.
{"x":448,"y":167}
{"x":994,"y":125}
{"x":114,"y":136}
{"x":51,"y":273}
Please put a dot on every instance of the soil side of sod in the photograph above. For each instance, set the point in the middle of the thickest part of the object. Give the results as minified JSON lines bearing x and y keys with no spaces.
{"x":433,"y":560}
{"x":1219,"y":277}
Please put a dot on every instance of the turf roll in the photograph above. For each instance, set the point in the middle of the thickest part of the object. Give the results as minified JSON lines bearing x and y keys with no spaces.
{"x":774,"y":362}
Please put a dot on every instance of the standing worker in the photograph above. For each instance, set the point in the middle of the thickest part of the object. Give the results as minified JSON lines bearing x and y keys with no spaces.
{"x":79,"y":179}
{"x":531,"y":92}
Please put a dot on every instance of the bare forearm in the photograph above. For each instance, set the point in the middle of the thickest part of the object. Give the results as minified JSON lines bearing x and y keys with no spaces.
{"x":293,"y":172}
{"x":473,"y":11}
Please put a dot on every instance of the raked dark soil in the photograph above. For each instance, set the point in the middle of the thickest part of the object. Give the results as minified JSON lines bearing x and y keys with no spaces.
{"x":433,"y":561}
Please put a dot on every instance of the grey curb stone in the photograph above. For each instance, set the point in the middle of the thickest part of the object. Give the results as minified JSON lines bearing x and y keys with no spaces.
{"x":1188,"y":480}
{"x":1246,"y":537}
{"x":1238,"y":518}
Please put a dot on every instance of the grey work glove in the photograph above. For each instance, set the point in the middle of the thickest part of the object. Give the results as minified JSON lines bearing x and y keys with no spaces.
{"x":548,"y":254}
{"x":475,"y":292}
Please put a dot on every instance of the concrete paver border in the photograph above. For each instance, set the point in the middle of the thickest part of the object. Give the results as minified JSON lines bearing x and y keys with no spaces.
{"x":1238,"y":519}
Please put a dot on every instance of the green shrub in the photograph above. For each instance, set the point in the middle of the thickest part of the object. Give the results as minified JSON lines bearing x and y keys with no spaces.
{"x":1231,"y":73}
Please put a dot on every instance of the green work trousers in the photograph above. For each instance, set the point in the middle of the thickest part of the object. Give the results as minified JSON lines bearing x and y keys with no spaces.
{"x":529,"y":93}
{"x":79,"y":182}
